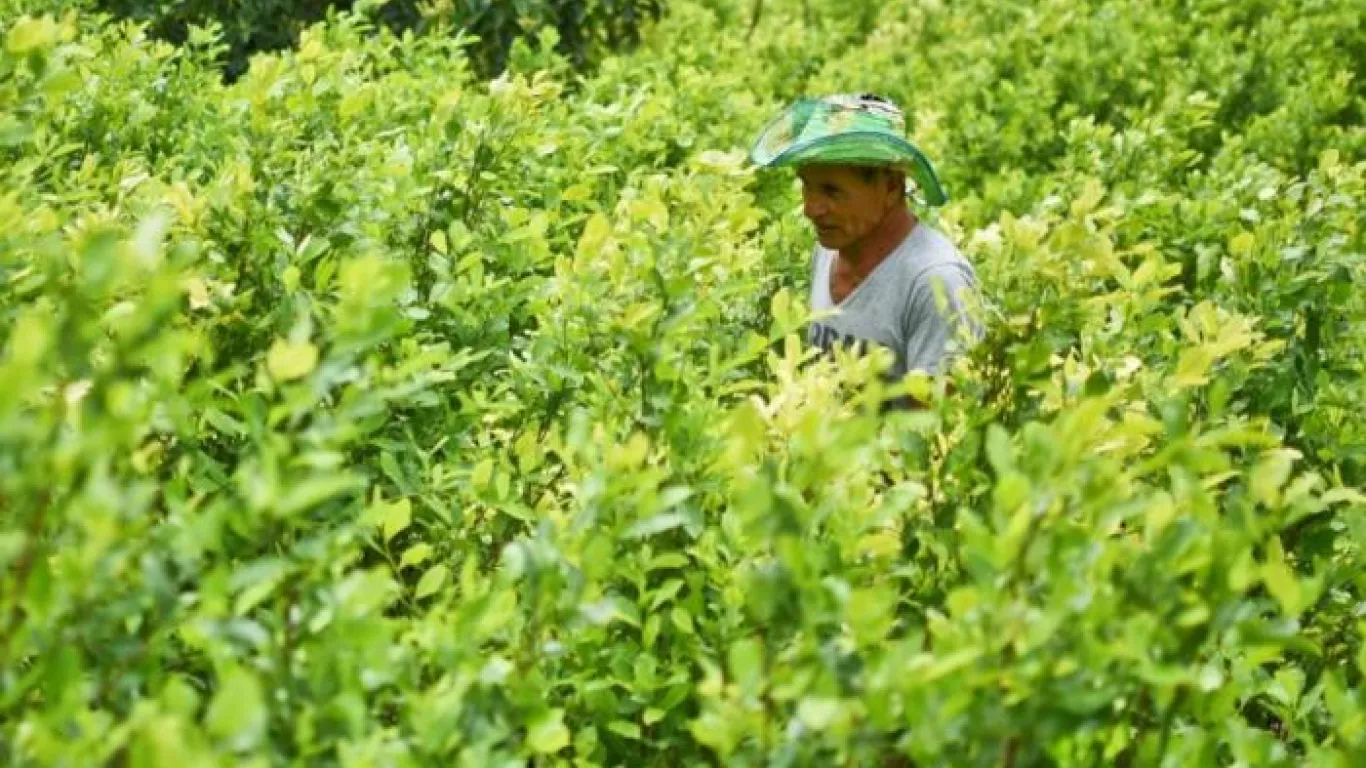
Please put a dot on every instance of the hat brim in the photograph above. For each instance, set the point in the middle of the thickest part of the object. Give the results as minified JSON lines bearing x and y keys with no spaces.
{"x":850,"y":148}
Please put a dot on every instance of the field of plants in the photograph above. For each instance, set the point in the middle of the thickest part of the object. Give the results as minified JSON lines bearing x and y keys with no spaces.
{"x":367,"y":410}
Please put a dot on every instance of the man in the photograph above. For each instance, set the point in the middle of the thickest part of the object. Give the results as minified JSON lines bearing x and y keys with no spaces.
{"x":891,"y":279}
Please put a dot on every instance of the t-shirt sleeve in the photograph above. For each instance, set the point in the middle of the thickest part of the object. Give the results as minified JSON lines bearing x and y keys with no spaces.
{"x":937,"y":323}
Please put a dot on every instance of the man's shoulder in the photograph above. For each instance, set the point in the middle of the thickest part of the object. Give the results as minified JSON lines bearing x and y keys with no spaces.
{"x":932,"y":253}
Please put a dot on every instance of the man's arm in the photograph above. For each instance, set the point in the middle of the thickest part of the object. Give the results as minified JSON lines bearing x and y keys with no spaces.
{"x":937,"y":324}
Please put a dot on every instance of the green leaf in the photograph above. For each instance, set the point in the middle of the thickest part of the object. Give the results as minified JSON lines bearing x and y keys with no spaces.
{"x":1193,"y":367}
{"x":655,"y":525}
{"x":667,"y":560}
{"x":673,"y":496}
{"x":393,"y":471}
{"x":256,"y":581}
{"x":1280,"y":580}
{"x":746,"y":662}
{"x":682,"y":619}
{"x":999,"y":450}
{"x":624,"y":728}
{"x":547,"y":734}
{"x":780,"y":307}
{"x":396,"y":517}
{"x":818,"y":713}
{"x":666,"y":592}
{"x":415,"y":555}
{"x":312,"y":491}
{"x":871,"y":613}
{"x":1270,"y":475}
{"x":482,"y":473}
{"x":12,"y":544}
{"x":238,"y":714}
{"x":1012,"y":490}
{"x":14,"y":132}
{"x":224,"y":423}
{"x":1350,"y":496}
{"x":432,"y":580}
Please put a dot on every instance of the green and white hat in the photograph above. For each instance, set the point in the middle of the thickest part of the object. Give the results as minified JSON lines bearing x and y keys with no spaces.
{"x":846,"y":129}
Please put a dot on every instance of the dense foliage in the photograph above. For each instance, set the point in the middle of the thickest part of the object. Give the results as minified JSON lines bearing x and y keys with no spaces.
{"x":366,"y":412}
{"x":583,"y":29}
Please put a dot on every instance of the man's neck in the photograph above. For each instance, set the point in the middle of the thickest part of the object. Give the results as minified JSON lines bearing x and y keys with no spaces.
{"x":866,"y":254}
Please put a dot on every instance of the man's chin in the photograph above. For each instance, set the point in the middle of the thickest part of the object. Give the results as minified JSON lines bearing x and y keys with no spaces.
{"x":831,"y":241}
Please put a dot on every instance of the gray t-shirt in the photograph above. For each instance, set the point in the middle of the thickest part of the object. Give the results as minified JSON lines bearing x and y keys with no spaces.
{"x":897,"y":306}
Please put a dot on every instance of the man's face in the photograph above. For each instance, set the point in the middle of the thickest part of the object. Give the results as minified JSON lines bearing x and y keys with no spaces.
{"x":843,"y":205}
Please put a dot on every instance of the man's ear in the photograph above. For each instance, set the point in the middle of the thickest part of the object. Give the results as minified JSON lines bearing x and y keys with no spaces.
{"x":896,"y":186}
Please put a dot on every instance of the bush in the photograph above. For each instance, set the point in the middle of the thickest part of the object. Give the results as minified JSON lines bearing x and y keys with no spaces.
{"x":584,"y":28}
{"x":364,"y":411}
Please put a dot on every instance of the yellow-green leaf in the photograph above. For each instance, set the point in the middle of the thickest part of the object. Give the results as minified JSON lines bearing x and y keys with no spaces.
{"x":576,"y":193}
{"x":415,"y":555}
{"x":483,"y":471}
{"x":595,"y":234}
{"x":289,"y":360}
{"x":438,"y":242}
{"x":29,"y":34}
{"x":1280,"y":579}
{"x":547,"y":733}
{"x":682,"y":619}
{"x":432,"y":580}
{"x":1193,"y":367}
{"x":818,"y":712}
{"x":395,"y":518}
